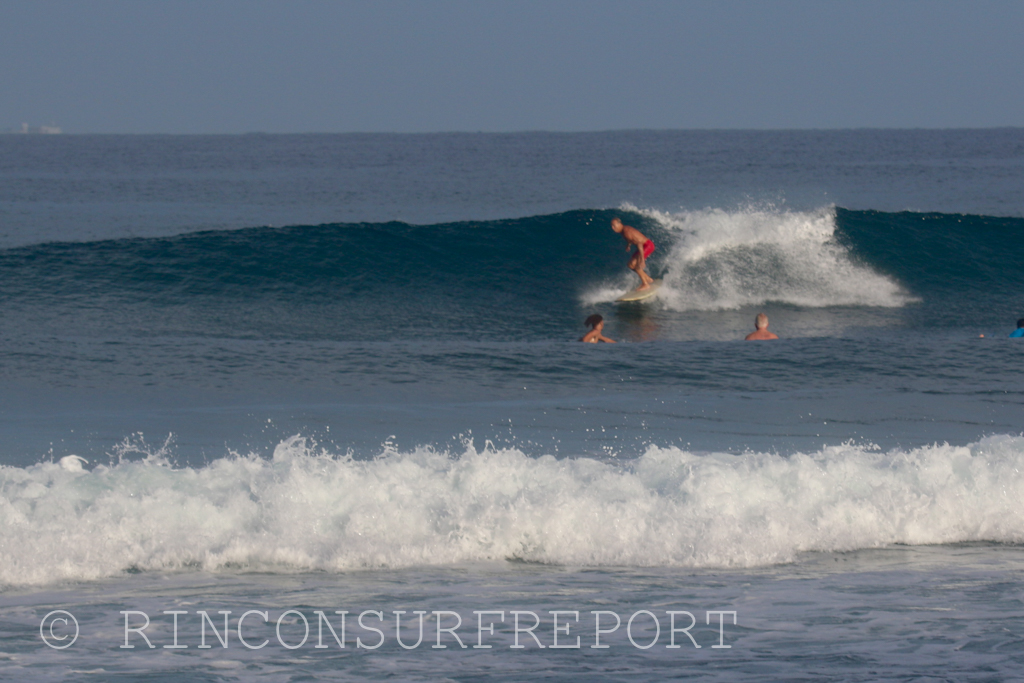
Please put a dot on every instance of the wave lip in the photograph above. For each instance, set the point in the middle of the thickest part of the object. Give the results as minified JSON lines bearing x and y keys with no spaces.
{"x":719,"y":260}
{"x":308,"y":510}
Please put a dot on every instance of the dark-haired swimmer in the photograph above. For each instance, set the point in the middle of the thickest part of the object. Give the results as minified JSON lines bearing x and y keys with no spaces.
{"x":644,"y":248}
{"x":1019,"y":332}
{"x":596,"y":324}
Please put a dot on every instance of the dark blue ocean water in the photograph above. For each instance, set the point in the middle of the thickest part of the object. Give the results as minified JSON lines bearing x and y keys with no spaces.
{"x":340,"y":372}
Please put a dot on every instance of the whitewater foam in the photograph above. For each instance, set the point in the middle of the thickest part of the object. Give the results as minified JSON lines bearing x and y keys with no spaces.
{"x":306,"y":509}
{"x":718,"y":260}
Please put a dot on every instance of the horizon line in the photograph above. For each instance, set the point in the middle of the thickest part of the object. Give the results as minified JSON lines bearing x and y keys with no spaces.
{"x":537,"y":131}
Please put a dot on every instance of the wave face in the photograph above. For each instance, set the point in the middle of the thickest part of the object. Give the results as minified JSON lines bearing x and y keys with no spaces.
{"x":515,"y":279}
{"x":308,"y":510}
{"x":938,"y":255}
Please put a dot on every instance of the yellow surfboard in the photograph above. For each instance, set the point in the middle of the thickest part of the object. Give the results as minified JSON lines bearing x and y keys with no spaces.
{"x":640,"y":295}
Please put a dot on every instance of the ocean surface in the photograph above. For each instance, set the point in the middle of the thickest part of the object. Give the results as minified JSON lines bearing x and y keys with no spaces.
{"x":324,"y":390}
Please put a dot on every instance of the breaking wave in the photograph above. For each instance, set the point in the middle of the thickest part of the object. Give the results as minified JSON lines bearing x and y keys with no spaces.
{"x":307,"y":509}
{"x":716,"y":259}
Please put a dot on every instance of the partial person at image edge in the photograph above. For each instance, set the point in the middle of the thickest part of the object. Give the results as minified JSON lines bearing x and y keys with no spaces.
{"x":1019,"y":332}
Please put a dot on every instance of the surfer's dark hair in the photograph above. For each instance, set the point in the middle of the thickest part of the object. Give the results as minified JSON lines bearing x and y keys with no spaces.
{"x":593,"y":320}
{"x":1020,"y":323}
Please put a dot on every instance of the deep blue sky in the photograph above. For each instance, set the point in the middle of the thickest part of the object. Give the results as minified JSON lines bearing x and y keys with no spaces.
{"x":234,"y":66}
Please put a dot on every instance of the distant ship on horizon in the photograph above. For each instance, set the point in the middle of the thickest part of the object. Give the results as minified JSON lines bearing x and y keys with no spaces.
{"x":34,"y":130}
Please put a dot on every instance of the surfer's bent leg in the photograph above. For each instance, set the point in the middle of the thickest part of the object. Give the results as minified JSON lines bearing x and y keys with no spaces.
{"x":638,"y":264}
{"x":648,"y":250}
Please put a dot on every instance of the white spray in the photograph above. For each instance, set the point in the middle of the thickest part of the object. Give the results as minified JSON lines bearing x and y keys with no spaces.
{"x":308,"y":510}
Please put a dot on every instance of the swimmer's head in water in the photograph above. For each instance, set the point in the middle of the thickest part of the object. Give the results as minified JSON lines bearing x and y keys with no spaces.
{"x":761,"y":321}
{"x":616,"y":225}
{"x":1020,"y":323}
{"x":593,"y":321}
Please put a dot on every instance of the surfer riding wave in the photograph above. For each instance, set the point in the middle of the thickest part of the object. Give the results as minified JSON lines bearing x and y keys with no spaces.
{"x":644,"y":248}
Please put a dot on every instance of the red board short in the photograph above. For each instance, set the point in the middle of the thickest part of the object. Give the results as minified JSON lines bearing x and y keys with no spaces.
{"x":648,"y":248}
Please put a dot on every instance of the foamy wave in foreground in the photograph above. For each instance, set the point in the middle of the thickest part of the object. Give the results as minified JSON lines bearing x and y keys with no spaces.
{"x":719,"y":260}
{"x":308,"y":510}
